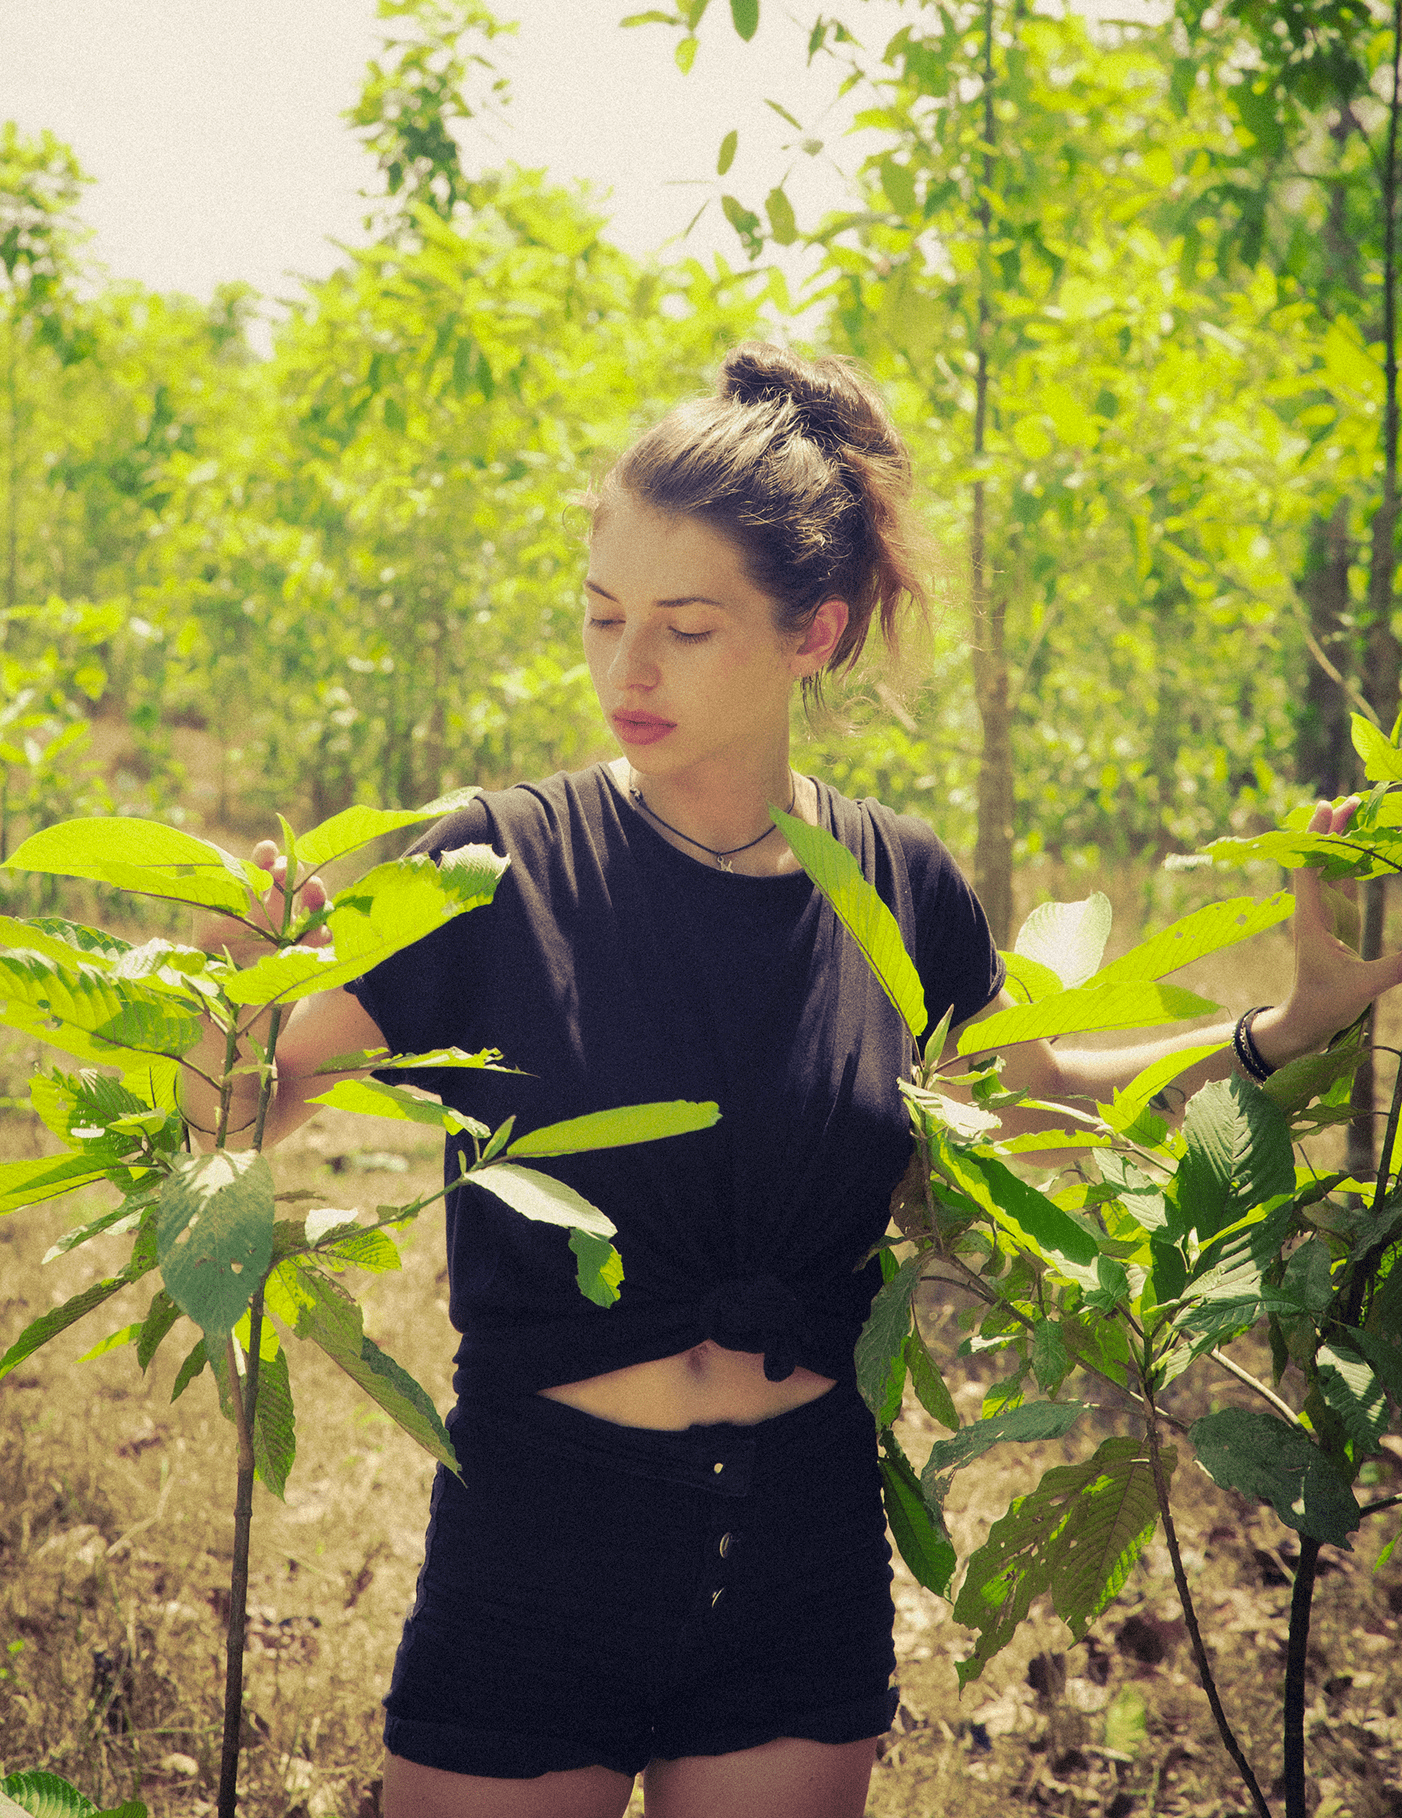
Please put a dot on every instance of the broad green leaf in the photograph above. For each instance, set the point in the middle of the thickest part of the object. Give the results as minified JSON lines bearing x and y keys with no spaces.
{"x":382,"y":1060}
{"x":151,"y":1075}
{"x":391,"y":907}
{"x":1300,"y":1081}
{"x":929,"y":1385}
{"x":29,"y":1182}
{"x":161,"y":1315}
{"x":130,"y":1015}
{"x":1033,"y":1421}
{"x":215,"y":1235}
{"x":1383,"y":1349}
{"x":374,"y":1251}
{"x":783,"y":227}
{"x":50,"y":1324}
{"x":1028,"y":979}
{"x":1029,"y":1216}
{"x":917,"y":1525}
{"x":598,"y":1267}
{"x":1279,"y":1464}
{"x":745,"y":14}
{"x":1206,"y":930}
{"x":726,"y":155}
{"x":1351,"y":1389}
{"x":325,"y":1314}
{"x":355,"y":827}
{"x":35,"y":937}
{"x":1074,"y":1538}
{"x":1067,"y":938}
{"x":1130,"y":1103}
{"x":1128,"y":1005}
{"x":616,"y":1129}
{"x":1334,"y":854}
{"x":1238,"y":1154}
{"x":862,"y":913}
{"x":541,"y":1196}
{"x":370,"y":1098}
{"x":45,"y":1795}
{"x":274,"y":1425}
{"x":881,"y":1345}
{"x":144,"y":856}
{"x":1382,"y":761}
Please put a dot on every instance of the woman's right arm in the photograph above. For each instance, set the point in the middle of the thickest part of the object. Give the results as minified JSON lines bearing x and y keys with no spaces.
{"x":313,"y":1031}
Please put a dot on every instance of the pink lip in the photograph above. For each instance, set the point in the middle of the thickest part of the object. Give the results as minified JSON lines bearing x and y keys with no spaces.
{"x":641,"y":728}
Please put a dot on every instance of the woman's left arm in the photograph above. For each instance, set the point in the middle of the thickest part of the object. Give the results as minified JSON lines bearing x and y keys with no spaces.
{"x":1331,"y":987}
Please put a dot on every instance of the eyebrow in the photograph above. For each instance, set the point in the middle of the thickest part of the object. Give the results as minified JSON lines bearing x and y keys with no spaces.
{"x":685,"y":599}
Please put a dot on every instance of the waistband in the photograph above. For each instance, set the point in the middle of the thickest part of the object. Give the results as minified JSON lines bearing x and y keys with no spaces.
{"x":723,"y":1457}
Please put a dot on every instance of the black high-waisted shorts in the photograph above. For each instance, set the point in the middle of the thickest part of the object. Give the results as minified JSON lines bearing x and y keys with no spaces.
{"x":601,"y":1595}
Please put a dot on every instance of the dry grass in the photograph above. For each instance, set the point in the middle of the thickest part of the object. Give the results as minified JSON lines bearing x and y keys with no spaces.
{"x":115,"y":1541}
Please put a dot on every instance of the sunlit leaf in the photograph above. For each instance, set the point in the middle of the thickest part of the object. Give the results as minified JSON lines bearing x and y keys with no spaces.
{"x":917,"y":1525}
{"x":616,"y":1129}
{"x":145,"y":856}
{"x":541,"y":1196}
{"x":1090,"y":1007}
{"x":215,"y":1235}
{"x":371,"y":1098}
{"x":1067,"y":938}
{"x":1206,"y":930}
{"x":1272,"y":1462}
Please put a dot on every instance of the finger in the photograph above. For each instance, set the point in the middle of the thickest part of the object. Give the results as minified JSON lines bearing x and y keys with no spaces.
{"x":1343,"y":814}
{"x":265,"y":854}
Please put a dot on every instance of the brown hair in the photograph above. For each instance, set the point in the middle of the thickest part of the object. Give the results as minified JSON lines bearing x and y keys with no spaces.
{"x":799,"y":464}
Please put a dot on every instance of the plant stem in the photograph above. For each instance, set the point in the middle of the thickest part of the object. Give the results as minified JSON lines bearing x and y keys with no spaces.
{"x":1185,"y":1598}
{"x":1295,"y":1660}
{"x":245,"y":1400}
{"x":226,"y":1085}
{"x":265,"y":1084}
{"x":1253,"y":1382}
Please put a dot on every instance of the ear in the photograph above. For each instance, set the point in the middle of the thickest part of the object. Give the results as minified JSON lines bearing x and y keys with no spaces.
{"x":824,"y":632}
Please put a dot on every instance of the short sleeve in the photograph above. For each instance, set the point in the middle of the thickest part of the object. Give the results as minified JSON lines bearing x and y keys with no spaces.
{"x":958,"y":961}
{"x":415,"y":996}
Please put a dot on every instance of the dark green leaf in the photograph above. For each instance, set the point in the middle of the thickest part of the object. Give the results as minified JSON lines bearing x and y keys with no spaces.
{"x":917,"y":1526}
{"x":274,"y":1427}
{"x":745,"y":14}
{"x":161,"y":1315}
{"x":196,"y":1361}
{"x":1239,"y":1154}
{"x":928,"y":1383}
{"x":1034,"y":1420}
{"x":598,"y":1267}
{"x":45,"y":1795}
{"x":50,"y":1324}
{"x":1075,"y":1538}
{"x":880,"y":1358}
{"x":215,"y":1235}
{"x":1279,"y":1464}
{"x":1354,"y":1393}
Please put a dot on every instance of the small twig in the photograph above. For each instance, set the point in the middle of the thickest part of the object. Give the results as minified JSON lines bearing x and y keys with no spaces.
{"x":1185,"y":1598}
{"x":1382,"y":1502}
{"x":1254,"y":1382}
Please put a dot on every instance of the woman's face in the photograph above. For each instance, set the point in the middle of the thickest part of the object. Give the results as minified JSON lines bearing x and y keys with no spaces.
{"x":682,"y":646}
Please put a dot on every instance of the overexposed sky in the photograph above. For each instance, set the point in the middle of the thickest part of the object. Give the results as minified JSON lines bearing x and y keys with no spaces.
{"x":213,"y":127}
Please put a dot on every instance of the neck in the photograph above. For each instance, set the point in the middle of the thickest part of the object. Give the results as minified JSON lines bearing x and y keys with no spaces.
{"x":719,"y":812}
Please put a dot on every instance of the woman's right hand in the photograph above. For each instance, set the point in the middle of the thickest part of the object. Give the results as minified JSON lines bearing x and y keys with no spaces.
{"x":220,"y":933}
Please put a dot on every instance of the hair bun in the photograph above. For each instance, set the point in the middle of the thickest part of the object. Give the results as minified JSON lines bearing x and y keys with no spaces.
{"x":827,"y":397}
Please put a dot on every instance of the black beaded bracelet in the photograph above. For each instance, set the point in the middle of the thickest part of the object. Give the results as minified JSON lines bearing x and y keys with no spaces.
{"x":1249,"y":1056}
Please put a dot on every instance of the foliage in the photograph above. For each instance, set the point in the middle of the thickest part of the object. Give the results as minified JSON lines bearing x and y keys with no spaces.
{"x":135,"y":1019}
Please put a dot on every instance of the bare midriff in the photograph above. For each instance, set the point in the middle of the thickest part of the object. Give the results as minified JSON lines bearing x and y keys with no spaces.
{"x":693,"y":1388}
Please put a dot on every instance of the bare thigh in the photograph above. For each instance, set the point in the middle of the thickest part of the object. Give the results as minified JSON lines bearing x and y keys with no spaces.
{"x":783,"y":1779}
{"x":412,"y":1791}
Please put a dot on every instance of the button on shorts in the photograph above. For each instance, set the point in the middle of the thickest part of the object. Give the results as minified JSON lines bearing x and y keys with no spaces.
{"x":602,"y":1595}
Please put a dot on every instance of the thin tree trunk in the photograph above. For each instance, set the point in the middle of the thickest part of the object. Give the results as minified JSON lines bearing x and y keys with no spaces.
{"x":993,"y":853}
{"x":1384,"y":655}
{"x":1324,"y":755}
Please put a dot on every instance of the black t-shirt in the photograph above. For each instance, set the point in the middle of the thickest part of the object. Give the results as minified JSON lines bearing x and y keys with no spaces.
{"x":615,"y":970}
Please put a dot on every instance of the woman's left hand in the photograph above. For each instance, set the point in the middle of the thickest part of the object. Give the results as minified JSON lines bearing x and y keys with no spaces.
{"x":1332,"y":985}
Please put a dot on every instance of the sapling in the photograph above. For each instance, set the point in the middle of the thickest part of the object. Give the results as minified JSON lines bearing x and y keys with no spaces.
{"x":131,"y":1019}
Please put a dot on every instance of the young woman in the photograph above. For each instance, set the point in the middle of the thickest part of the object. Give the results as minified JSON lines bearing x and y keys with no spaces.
{"x":666,"y":1552}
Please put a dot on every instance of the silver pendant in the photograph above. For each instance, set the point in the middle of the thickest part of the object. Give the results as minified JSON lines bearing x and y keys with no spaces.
{"x":724,"y":864}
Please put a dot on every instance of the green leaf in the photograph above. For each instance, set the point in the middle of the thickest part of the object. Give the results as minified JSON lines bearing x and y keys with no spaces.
{"x":145,"y":856}
{"x":355,"y":827}
{"x":1078,"y":1011}
{"x":1334,"y":854}
{"x":1034,"y":1420}
{"x":917,"y":1525}
{"x":1074,"y":1538}
{"x":1207,"y":930}
{"x":728,"y":146}
{"x":1029,"y":979}
{"x":390,"y":907}
{"x":374,"y":1251}
{"x":1354,"y":1393}
{"x":1300,"y":1081}
{"x":45,"y":1795}
{"x":1382,"y":761}
{"x":862,"y":913}
{"x":274,"y":1425}
{"x":1067,"y":938}
{"x":1238,"y":1155}
{"x":195,"y":1362}
{"x":929,"y":1385}
{"x":617,"y":1129}
{"x":1126,"y":1722}
{"x":114,"y":1341}
{"x":685,"y":53}
{"x":28,"y":1183}
{"x":541,"y":1196}
{"x":745,"y":14}
{"x":783,"y":227}
{"x":785,"y":115}
{"x":652,"y":17}
{"x":1037,"y":1222}
{"x":880,"y":1354}
{"x":125,"y":1015}
{"x":161,"y":1315}
{"x":381,"y":1060}
{"x":1383,"y":1349}
{"x":370,"y":1098}
{"x":322,"y":1312}
{"x":215,"y":1235}
{"x":898,"y":186}
{"x":50,"y":1324}
{"x":1130,"y":1104}
{"x":48,"y":938}
{"x":598,"y":1267}
{"x":1279,"y":1464}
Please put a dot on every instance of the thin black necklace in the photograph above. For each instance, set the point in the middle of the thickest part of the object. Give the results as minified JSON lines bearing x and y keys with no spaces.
{"x":724,"y":857}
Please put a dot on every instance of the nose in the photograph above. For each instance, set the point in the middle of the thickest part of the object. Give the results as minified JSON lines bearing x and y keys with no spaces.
{"x":634,"y":662}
